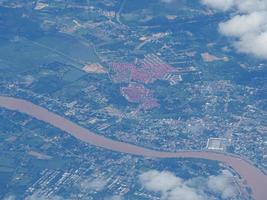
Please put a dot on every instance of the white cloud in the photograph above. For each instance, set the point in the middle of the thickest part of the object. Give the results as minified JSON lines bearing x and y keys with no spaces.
{"x":219,"y":4}
{"x":97,"y":184}
{"x":11,"y":197}
{"x":115,"y":197}
{"x":248,"y":26}
{"x":222,"y":184}
{"x":172,"y":187}
{"x":38,"y":196}
{"x":248,"y":6}
{"x":255,"y":44}
{"x":167,"y":1}
{"x":241,"y":5}
{"x":241,"y":25}
{"x":185,"y":193}
{"x":159,"y":181}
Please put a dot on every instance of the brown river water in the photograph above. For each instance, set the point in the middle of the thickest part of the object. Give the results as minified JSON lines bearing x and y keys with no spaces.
{"x":255,"y":178}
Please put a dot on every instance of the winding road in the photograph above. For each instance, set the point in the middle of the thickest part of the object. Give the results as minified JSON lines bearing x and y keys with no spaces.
{"x":256,"y":179}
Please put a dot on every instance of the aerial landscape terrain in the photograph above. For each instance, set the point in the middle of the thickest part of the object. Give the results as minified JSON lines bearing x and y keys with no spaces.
{"x":133,"y":100}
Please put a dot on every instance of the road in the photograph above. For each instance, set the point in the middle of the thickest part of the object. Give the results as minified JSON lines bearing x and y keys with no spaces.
{"x":255,"y":178}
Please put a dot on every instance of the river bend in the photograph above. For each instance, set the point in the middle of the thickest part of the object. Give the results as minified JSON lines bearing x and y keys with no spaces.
{"x":255,"y":178}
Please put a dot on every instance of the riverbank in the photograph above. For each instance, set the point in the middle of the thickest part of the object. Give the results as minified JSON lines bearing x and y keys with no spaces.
{"x":255,"y":178}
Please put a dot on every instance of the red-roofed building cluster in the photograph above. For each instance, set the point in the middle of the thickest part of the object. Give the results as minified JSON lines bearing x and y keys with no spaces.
{"x":144,"y":71}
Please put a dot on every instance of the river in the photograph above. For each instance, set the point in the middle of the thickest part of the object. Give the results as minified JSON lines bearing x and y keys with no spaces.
{"x":255,"y":178}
